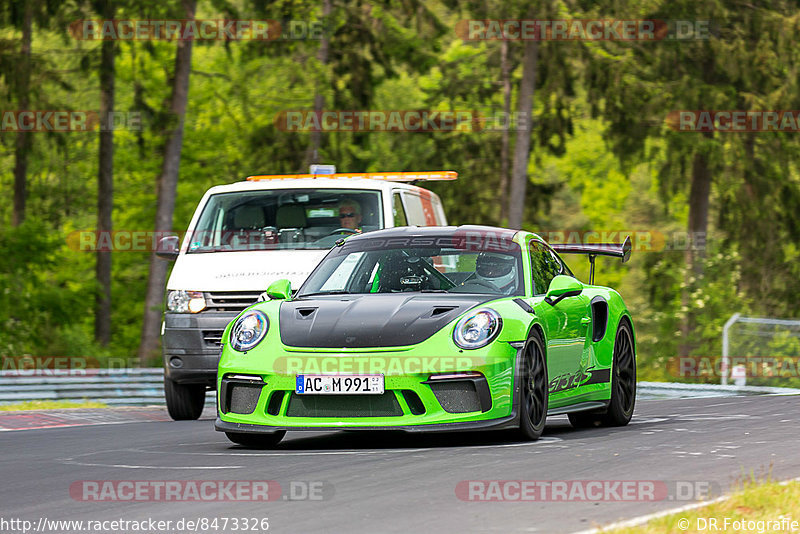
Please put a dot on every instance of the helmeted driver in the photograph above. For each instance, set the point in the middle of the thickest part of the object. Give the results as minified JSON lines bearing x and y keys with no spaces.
{"x":498,"y":270}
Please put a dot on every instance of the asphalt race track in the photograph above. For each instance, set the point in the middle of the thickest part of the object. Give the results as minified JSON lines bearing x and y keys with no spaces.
{"x":393,"y":482}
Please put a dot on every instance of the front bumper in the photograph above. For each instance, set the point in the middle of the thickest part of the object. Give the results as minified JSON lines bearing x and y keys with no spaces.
{"x":191,"y":345}
{"x":252,"y":400}
{"x":503,"y":423}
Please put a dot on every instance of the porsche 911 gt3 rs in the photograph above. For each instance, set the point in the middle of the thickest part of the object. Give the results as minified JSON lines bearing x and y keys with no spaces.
{"x":431,"y":329}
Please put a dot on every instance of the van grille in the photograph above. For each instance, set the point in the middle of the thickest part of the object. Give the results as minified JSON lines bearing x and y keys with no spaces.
{"x":230,"y":301}
{"x":212,"y":338}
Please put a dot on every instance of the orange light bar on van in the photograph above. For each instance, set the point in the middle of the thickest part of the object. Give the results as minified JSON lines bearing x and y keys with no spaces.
{"x":389,"y":176}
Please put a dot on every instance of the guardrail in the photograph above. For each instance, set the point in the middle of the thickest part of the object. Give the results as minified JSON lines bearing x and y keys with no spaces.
{"x":114,"y":387}
{"x":145,"y":387}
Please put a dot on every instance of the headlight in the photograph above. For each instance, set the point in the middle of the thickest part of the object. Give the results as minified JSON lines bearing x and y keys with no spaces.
{"x":249,"y":330}
{"x":477,"y":329}
{"x":186,"y":301}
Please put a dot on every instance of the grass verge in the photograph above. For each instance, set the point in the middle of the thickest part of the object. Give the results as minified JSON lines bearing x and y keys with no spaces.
{"x":766,"y":507}
{"x":49,"y":405}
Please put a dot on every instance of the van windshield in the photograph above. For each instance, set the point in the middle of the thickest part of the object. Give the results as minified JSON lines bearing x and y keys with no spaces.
{"x":284,"y":219}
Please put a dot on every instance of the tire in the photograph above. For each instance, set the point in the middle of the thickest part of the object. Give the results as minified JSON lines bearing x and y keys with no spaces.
{"x":185,"y":402}
{"x":256,"y":441}
{"x":623,"y":385}
{"x":533,"y":394}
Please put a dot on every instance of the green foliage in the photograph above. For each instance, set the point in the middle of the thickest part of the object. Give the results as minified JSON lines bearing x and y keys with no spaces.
{"x":603,"y":157}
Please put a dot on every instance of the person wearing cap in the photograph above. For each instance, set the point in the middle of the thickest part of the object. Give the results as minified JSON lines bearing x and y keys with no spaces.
{"x":350,"y":214}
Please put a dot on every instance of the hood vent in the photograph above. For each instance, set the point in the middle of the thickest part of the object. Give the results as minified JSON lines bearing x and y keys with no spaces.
{"x":442,"y":310}
{"x":305,"y":313}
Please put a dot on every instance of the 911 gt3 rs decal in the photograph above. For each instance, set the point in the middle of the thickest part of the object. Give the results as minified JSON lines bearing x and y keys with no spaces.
{"x":581,"y":378}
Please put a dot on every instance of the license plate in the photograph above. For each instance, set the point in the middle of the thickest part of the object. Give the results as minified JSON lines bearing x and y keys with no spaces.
{"x":339,"y":385}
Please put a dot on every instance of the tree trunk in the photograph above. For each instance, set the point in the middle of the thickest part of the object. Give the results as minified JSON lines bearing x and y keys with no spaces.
{"x":519,"y":173}
{"x":505,"y":75}
{"x":166,"y":187}
{"x":315,"y":140}
{"x":105,"y":185}
{"x":699,"y":196}
{"x":23,"y":142}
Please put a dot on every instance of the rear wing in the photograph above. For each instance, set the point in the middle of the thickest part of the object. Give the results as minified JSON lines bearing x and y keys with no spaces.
{"x":617,"y":250}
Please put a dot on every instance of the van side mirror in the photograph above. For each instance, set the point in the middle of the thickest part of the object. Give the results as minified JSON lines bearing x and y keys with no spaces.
{"x":280,"y":290}
{"x":168,"y":248}
{"x":561,"y":287}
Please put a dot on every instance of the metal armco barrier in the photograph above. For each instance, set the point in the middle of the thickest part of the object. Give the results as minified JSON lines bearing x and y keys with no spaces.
{"x":114,"y":387}
{"x":145,"y":387}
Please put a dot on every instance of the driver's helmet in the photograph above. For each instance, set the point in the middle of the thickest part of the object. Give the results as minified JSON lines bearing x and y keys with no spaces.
{"x":499,"y":269}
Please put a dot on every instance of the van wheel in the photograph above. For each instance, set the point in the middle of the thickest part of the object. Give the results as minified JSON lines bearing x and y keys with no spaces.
{"x":185,"y":402}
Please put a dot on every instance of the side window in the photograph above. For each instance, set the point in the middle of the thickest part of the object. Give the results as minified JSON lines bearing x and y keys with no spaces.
{"x":398,"y":211}
{"x":538,"y":270}
{"x":544,"y":267}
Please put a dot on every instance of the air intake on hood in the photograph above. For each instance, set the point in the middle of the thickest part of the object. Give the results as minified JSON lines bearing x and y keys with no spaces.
{"x":441,"y":310}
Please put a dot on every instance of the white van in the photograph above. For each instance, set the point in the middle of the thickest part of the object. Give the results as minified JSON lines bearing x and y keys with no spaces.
{"x":245,"y":235}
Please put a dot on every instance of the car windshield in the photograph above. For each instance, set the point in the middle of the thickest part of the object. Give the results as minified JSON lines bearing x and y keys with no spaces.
{"x":442,"y":264}
{"x":284,"y":219}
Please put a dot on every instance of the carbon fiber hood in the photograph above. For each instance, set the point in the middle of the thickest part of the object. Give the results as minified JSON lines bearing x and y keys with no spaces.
{"x":376,"y":320}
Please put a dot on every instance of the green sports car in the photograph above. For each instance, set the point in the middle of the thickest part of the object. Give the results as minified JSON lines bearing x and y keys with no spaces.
{"x":431,"y":329}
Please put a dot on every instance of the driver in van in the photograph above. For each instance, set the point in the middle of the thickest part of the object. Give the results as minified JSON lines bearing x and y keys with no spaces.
{"x":350,"y":214}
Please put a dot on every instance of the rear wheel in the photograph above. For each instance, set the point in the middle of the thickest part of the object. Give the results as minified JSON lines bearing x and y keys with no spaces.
{"x":533,"y":389}
{"x":623,"y":386}
{"x":184,"y":401}
{"x":256,"y":441}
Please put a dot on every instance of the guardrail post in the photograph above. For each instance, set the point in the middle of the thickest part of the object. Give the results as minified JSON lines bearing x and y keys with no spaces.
{"x":725,"y":347}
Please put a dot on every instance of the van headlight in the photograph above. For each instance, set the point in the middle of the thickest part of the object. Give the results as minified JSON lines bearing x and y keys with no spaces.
{"x":186,"y":301}
{"x":477,"y":329}
{"x":249,"y":330}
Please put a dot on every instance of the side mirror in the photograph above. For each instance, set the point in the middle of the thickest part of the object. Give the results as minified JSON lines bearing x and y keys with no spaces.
{"x":280,"y":290}
{"x":168,"y":248}
{"x":561,"y":287}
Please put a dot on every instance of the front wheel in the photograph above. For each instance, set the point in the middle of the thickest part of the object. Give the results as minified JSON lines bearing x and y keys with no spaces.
{"x":623,"y":385}
{"x":533,"y":389}
{"x":256,"y":441}
{"x":185,"y":402}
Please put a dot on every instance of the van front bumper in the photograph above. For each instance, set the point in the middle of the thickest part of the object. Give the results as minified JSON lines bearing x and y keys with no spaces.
{"x":191,"y":345}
